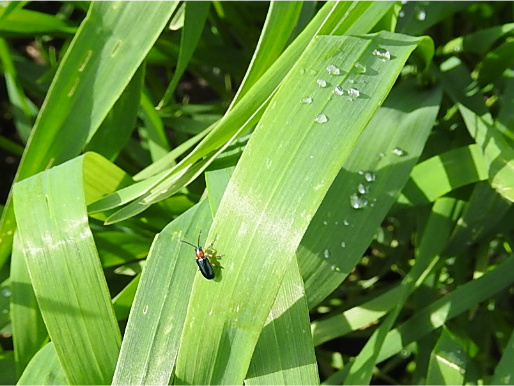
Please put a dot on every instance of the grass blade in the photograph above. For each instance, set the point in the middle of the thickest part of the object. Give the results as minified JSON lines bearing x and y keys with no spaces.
{"x":498,"y":154}
{"x":29,"y":331}
{"x":268,"y":219}
{"x":156,"y":320}
{"x":105,"y":43}
{"x":339,"y":234}
{"x":437,"y":313}
{"x":286,"y":337}
{"x":448,"y":361}
{"x":280,"y":21}
{"x":44,"y":369}
{"x":195,"y":16}
{"x":64,"y":267}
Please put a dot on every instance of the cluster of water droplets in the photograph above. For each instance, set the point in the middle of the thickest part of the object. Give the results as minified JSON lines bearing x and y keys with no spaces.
{"x":359,"y":199}
{"x":353,"y":92}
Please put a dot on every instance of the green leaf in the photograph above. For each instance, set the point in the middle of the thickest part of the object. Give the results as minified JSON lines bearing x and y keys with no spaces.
{"x":357,"y":317}
{"x":440,"y":223}
{"x":337,"y":17}
{"x":478,"y":42}
{"x":443,"y":173}
{"x":448,"y":361}
{"x":280,"y":21}
{"x":498,"y":154}
{"x":195,"y":16}
{"x":156,"y":320}
{"x":495,"y":63}
{"x":153,"y":130}
{"x":7,"y":368}
{"x":44,"y":369}
{"x":114,"y":132}
{"x":504,"y":372}
{"x":64,"y":267}
{"x":418,"y":16}
{"x":29,"y":331}
{"x":484,"y":209}
{"x":284,"y":354}
{"x":106,"y":43}
{"x":21,"y":22}
{"x":23,"y":109}
{"x":260,"y":224}
{"x":339,"y":234}
{"x":437,"y":313}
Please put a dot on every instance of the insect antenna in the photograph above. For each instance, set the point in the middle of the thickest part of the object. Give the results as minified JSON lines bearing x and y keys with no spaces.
{"x":187,"y":242}
{"x":199,"y":234}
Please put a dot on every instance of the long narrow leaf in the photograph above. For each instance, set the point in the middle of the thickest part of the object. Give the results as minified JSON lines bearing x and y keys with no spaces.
{"x":259,"y":225}
{"x":105,"y":43}
{"x":64,"y":267}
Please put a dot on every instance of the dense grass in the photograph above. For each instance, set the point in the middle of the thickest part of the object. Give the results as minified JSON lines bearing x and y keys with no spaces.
{"x":352,"y":163}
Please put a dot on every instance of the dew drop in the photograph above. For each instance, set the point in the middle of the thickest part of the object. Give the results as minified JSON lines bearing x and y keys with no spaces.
{"x":370,"y":177}
{"x":306,"y":100}
{"x":333,"y":70}
{"x":399,"y":152}
{"x":6,"y":292}
{"x":421,"y":15}
{"x":326,"y":253}
{"x":343,"y":244}
{"x":6,"y":311}
{"x":302,"y":71}
{"x":346,"y":222}
{"x":338,"y":90}
{"x":361,"y":68}
{"x":353,"y":93}
{"x":362,"y":189}
{"x":382,"y":54}
{"x":325,"y":222}
{"x":358,"y":202}
{"x":361,"y":172}
{"x":321,"y":83}
{"x":321,"y":118}
{"x":333,"y":267}
{"x":145,"y":309}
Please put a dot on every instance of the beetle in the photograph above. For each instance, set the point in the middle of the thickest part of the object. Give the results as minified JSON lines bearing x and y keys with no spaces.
{"x":202,"y":258}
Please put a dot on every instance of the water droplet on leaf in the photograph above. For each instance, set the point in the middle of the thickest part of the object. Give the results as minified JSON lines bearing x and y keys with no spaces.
{"x":353,"y":93}
{"x":382,"y":54}
{"x":399,"y":152}
{"x":333,"y":70}
{"x":338,"y":90}
{"x":361,"y":68}
{"x":358,"y":202}
{"x":321,"y":118}
{"x":370,"y":177}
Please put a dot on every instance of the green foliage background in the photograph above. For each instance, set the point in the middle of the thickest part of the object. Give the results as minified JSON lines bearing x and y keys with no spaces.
{"x":351,"y":161}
